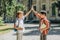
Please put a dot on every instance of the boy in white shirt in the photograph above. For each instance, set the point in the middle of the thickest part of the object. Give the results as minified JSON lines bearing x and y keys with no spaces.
{"x":19,"y":24}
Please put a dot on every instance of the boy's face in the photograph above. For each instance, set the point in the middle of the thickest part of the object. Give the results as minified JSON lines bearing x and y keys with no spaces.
{"x":42,"y":16}
{"x":20,"y":15}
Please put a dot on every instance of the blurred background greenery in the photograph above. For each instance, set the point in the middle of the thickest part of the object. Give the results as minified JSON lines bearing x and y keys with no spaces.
{"x":8,"y":9}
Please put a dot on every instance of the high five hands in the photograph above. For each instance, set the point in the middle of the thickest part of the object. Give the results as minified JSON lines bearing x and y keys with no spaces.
{"x":32,"y":8}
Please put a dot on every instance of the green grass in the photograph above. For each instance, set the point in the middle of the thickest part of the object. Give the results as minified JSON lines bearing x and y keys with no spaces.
{"x":5,"y":29}
{"x":4,"y":32}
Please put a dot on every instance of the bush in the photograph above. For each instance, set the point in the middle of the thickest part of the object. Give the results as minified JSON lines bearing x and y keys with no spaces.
{"x":12,"y":8}
{"x":1,"y":21}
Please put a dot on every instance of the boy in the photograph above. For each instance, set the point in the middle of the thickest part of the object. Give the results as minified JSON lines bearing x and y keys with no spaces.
{"x":44,"y":23}
{"x":19,"y":24}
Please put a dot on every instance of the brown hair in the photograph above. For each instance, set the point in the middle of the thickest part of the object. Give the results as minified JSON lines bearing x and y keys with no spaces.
{"x":43,"y":13}
{"x":19,"y":12}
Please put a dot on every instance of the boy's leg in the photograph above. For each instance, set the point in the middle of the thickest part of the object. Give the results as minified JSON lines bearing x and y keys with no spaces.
{"x":41,"y":36}
{"x":19,"y":35}
{"x":44,"y":37}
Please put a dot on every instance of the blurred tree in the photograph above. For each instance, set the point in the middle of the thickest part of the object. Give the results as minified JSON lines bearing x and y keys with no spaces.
{"x":53,"y":9}
{"x":29,"y":7}
{"x":9,"y":8}
{"x":1,"y":21}
{"x":58,"y":6}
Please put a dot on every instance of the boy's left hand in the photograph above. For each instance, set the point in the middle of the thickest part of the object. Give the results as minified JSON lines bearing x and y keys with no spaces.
{"x":20,"y":28}
{"x":42,"y":29}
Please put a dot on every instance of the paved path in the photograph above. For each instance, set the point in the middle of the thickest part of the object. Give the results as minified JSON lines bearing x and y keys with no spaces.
{"x":31,"y":33}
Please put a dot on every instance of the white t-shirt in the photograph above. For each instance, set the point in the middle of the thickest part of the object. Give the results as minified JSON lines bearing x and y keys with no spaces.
{"x":20,"y":22}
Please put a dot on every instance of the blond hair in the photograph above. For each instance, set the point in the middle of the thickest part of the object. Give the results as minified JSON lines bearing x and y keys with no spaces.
{"x":19,"y":12}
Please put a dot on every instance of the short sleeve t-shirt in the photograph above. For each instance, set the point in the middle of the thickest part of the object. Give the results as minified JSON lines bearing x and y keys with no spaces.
{"x":20,"y":22}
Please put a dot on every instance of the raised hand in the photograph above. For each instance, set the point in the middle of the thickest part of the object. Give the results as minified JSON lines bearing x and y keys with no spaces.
{"x":32,"y":8}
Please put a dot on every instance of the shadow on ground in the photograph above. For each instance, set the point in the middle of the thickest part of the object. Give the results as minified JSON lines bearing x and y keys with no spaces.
{"x":37,"y":32}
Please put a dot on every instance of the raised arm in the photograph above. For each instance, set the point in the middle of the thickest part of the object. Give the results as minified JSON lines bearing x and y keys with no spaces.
{"x":36,"y":13}
{"x":27,"y":13}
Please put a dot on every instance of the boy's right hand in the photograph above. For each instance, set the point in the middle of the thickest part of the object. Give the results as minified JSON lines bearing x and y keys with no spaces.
{"x":19,"y":28}
{"x":41,"y":30}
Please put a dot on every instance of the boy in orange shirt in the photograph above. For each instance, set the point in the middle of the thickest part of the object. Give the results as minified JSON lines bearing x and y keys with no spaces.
{"x":44,"y":23}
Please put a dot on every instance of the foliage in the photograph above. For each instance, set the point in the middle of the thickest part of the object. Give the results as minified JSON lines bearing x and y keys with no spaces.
{"x":10,"y":7}
{"x":1,"y":21}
